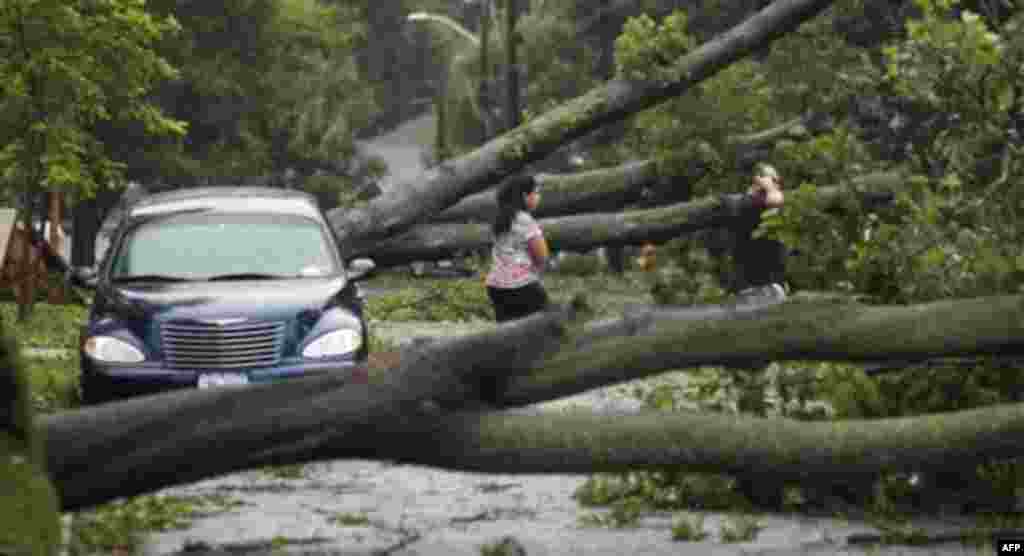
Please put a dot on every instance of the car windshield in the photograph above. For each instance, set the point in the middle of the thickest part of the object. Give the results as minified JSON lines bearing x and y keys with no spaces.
{"x":210,"y":245}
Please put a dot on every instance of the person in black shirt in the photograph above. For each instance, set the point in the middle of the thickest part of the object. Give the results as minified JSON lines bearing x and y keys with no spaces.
{"x":759,"y":263}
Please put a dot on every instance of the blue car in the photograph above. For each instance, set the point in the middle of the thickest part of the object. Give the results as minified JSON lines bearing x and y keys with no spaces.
{"x":218,"y":286}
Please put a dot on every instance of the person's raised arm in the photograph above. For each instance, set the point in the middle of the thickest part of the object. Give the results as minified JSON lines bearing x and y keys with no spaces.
{"x":767,"y":192}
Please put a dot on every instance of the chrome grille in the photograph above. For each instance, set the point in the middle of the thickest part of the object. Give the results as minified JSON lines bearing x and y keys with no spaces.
{"x":198,"y":345}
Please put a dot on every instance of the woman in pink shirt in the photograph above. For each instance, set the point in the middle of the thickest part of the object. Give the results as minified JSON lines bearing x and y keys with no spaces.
{"x":519,"y":254}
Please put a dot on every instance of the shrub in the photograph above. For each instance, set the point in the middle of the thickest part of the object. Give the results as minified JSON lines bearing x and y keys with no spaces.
{"x":688,"y":528}
{"x":441,"y":300}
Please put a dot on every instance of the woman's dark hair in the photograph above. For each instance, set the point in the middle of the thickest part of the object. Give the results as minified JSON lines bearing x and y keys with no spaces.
{"x":511,"y":200}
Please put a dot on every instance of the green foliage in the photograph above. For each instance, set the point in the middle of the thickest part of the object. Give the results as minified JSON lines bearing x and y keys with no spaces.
{"x":625,"y":512}
{"x":647,"y":50}
{"x":704,"y":126}
{"x":349,"y":519}
{"x":580,"y":264}
{"x":687,"y":527}
{"x":669,"y":489}
{"x":52,"y":379}
{"x":690,"y":278}
{"x":67,"y":67}
{"x":53,"y":383}
{"x":29,"y":512}
{"x":506,"y":546}
{"x":121,"y":524}
{"x":561,"y":66}
{"x":50,"y":326}
{"x":30,"y":508}
{"x":269,"y":88}
{"x":287,"y":472}
{"x":740,"y":528}
{"x":441,"y":300}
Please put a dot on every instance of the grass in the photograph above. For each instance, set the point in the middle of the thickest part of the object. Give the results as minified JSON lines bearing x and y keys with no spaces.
{"x":286,"y":472}
{"x":53,"y":383}
{"x":119,"y":526}
{"x":50,"y":326}
{"x":349,"y":519}
{"x":53,"y":380}
{"x":410,"y":298}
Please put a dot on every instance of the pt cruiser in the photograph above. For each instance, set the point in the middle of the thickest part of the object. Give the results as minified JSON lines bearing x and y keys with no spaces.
{"x":220,"y":286}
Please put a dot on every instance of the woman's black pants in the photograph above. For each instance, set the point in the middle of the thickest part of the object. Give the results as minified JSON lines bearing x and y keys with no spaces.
{"x":516,"y":303}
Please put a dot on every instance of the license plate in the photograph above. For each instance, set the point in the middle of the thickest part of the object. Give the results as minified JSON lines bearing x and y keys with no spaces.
{"x":211,"y":380}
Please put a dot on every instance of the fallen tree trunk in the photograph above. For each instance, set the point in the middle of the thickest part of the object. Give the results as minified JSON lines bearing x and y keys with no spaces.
{"x":611,"y":189}
{"x":654,"y":340}
{"x":579,"y":442}
{"x":442,"y":186}
{"x":592,"y":191}
{"x":136,"y":446}
{"x":586,"y":231}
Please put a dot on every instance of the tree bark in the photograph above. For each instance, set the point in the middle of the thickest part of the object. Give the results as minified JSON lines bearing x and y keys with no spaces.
{"x":442,"y":186}
{"x":583,"y":232}
{"x":610,"y":189}
{"x":592,"y":191}
{"x":136,"y":446}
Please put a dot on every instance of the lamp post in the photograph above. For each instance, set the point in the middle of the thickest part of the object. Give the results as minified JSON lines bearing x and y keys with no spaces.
{"x":512,"y":115}
{"x":483,"y":96}
{"x":441,"y":142}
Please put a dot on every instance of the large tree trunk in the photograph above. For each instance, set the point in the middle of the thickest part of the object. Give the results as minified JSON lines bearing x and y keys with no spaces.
{"x":442,"y":186}
{"x":586,"y":231}
{"x":136,"y":446}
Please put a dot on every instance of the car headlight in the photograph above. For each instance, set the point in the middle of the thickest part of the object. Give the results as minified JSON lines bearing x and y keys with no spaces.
{"x":334,"y":343}
{"x":112,"y":350}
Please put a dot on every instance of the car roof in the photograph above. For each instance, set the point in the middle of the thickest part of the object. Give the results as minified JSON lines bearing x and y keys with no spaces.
{"x":228,"y":199}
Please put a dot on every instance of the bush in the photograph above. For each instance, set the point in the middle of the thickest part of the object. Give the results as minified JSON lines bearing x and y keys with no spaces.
{"x":740,"y":528}
{"x":442,"y":300}
{"x":688,"y":528}
{"x":580,"y":264}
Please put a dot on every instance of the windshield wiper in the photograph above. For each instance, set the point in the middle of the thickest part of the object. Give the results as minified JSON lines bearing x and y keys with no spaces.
{"x":247,"y":276}
{"x":149,"y":278}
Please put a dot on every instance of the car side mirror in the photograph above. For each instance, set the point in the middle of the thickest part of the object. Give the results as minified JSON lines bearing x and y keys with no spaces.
{"x":360,"y":269}
{"x":83,"y":277}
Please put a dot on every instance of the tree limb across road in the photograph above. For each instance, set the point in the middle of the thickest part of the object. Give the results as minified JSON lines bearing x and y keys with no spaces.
{"x":433,"y":400}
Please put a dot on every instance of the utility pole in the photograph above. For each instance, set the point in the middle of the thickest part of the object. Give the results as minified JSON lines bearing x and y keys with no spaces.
{"x":512,"y":110}
{"x":486,"y":108}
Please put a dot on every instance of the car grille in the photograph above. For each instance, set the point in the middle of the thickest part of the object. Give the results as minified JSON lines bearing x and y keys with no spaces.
{"x":198,"y":345}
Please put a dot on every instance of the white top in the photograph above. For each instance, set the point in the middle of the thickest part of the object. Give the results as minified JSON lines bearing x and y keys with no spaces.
{"x":511,"y":264}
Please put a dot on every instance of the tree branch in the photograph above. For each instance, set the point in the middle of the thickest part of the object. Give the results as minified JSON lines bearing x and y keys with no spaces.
{"x":581,"y":232}
{"x":139,"y":445}
{"x":442,"y":186}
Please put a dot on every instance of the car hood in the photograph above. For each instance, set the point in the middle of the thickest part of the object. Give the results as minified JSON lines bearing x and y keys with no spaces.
{"x":252,"y":299}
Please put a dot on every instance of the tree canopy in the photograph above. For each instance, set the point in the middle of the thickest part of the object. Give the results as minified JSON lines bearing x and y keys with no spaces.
{"x":66,"y":68}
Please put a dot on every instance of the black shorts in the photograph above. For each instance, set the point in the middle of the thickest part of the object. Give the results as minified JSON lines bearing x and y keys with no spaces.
{"x":516,"y":303}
